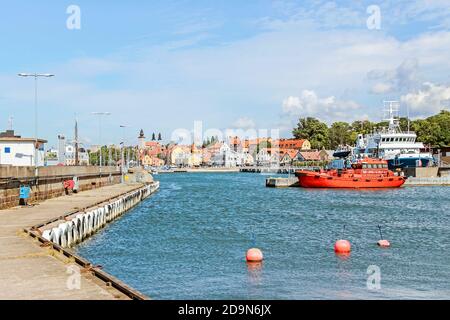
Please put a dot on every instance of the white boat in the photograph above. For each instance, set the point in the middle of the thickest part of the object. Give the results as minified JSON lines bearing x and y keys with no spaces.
{"x":400,"y":149}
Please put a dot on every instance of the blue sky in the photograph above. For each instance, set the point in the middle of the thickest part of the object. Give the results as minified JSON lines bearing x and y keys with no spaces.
{"x":161,"y":65}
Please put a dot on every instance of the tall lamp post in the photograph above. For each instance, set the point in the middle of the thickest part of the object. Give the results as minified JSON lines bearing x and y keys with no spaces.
{"x":123,"y":150}
{"x":100,"y":114}
{"x":36,"y":76}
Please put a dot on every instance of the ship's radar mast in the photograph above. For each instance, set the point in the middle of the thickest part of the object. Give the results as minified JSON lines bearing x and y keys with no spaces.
{"x":391,"y":114}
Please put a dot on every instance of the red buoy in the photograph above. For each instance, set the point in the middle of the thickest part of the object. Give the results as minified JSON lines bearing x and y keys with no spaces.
{"x":254,"y":255}
{"x":342,"y":247}
{"x":384,"y":243}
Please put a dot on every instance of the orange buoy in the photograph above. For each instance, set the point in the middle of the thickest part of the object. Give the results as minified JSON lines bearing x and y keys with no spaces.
{"x":384,"y":243}
{"x":254,"y":255}
{"x":342,"y":246}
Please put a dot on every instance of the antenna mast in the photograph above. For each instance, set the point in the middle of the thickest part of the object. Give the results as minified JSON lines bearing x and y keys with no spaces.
{"x":76,"y":142}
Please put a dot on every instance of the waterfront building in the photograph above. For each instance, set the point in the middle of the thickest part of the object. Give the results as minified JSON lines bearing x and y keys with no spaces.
{"x":235,"y":144}
{"x":297,"y":144}
{"x":288,"y":156}
{"x":61,"y":152}
{"x":51,"y":157}
{"x":206,"y":158}
{"x":151,"y":161}
{"x":18,"y":151}
{"x":228,"y":157}
{"x":83,"y":156}
{"x":314,"y":156}
{"x":214,"y":148}
{"x":65,"y":154}
{"x":252,"y":146}
{"x":153,"y":148}
{"x":185,"y":156}
{"x":268,"y":157}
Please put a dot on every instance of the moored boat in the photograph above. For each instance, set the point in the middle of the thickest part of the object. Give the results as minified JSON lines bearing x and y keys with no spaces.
{"x":365,"y":173}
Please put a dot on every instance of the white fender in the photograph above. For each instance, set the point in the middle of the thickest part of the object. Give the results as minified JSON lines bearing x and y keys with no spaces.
{"x":85,"y":225}
{"x":90,"y":216}
{"x":56,"y":236}
{"x":96,"y":219}
{"x":80,"y":226}
{"x":103,"y":216}
{"x":63,"y":228}
{"x":47,"y":235}
{"x":69,"y":233}
{"x":76,"y":230}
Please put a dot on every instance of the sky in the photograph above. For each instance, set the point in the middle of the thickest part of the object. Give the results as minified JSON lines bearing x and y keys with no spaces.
{"x":255,"y":64}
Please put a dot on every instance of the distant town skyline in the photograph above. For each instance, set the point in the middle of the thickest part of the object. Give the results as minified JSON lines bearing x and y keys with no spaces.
{"x":162,"y":65}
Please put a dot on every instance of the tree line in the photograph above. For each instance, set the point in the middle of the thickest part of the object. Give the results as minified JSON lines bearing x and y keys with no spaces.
{"x":433,"y":131}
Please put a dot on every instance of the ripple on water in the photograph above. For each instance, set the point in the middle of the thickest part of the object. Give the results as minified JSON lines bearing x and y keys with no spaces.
{"x":188,"y":241}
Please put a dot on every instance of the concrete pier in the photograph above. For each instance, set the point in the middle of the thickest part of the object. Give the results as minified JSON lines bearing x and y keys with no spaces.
{"x":32,"y":270}
{"x":282,"y":182}
{"x":428,"y":181}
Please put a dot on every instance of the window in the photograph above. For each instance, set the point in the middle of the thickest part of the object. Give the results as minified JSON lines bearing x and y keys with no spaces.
{"x":7,"y":149}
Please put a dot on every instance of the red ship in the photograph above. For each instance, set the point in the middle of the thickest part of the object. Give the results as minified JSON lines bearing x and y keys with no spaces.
{"x":366,"y":173}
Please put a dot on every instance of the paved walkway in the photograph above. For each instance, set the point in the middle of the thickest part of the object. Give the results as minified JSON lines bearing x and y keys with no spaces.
{"x":29,"y":271}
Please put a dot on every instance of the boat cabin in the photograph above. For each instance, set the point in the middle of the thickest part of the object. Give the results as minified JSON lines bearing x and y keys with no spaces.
{"x":368,"y":163}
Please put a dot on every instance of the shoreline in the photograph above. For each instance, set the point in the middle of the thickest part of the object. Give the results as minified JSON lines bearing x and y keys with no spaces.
{"x":43,"y":268}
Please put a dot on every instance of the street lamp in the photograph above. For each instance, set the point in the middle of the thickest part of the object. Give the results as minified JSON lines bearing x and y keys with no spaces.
{"x":122,"y":151}
{"x":36,"y":76}
{"x":100,"y":114}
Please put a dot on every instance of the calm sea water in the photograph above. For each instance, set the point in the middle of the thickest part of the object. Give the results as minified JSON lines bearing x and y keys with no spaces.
{"x":189,"y":240}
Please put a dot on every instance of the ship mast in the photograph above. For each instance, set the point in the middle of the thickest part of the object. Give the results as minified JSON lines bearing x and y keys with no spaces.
{"x":391,"y":109}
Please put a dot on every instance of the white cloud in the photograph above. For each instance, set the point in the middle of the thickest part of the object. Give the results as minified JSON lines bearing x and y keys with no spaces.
{"x":309,"y":104}
{"x":166,"y":87}
{"x":401,"y":79}
{"x":381,"y":88}
{"x":428,"y":100}
{"x":244,"y":123}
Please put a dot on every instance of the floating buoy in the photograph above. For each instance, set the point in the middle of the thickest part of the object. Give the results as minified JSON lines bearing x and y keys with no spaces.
{"x":382,"y":242}
{"x":342,"y":246}
{"x":254,"y":255}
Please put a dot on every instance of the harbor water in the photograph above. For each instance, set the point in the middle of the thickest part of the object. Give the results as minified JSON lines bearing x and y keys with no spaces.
{"x":188,"y":241}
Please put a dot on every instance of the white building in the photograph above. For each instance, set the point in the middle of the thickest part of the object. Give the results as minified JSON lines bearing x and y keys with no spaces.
{"x":18,"y":151}
{"x":268,"y":157}
{"x":226,"y":157}
{"x":83,"y":156}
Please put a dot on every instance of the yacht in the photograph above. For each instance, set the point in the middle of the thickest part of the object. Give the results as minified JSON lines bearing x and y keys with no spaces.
{"x":400,"y":149}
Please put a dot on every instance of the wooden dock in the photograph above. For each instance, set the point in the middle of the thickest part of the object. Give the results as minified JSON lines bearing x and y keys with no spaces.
{"x":30,"y":270}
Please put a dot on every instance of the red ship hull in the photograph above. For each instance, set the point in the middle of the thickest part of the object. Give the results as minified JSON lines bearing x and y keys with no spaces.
{"x":309,"y":179}
{"x":366,"y":173}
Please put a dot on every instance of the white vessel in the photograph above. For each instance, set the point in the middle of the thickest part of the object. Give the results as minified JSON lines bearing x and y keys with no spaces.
{"x":400,"y":149}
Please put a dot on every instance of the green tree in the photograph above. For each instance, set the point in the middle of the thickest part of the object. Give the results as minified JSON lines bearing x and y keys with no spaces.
{"x":362,"y":127}
{"x":434,"y":130}
{"x":313,"y":130}
{"x":340,"y":133}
